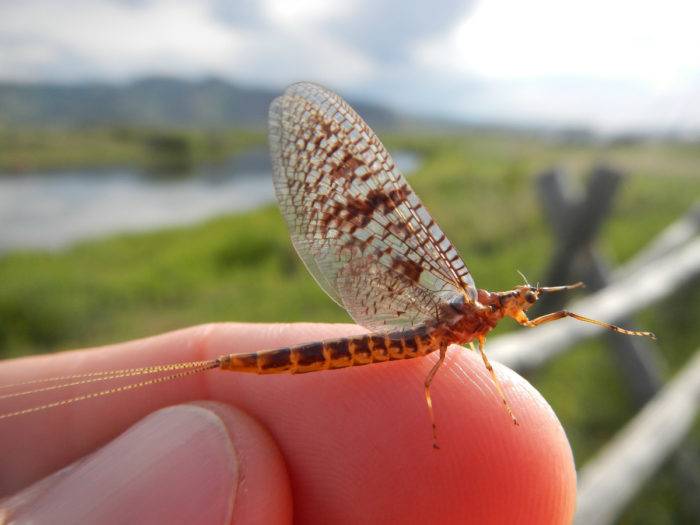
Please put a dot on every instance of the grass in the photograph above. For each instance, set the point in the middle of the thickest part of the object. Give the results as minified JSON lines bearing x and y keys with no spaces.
{"x":23,"y":150}
{"x":478,"y":187}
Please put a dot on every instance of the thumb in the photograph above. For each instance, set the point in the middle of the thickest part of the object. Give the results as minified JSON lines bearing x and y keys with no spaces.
{"x":196,"y":463}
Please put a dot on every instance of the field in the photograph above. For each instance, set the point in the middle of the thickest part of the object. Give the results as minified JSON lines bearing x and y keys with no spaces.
{"x":480,"y":189}
{"x":32,"y":149}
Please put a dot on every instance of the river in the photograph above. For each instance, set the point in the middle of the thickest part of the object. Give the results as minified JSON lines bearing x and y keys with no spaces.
{"x":53,"y":210}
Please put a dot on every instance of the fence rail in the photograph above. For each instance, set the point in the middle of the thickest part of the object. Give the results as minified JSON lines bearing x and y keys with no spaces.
{"x":672,"y":238}
{"x":609,"y":481}
{"x":669,"y":262}
{"x":637,"y":290}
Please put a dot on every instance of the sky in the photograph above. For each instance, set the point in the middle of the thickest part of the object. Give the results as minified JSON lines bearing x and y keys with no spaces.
{"x":613,"y":66}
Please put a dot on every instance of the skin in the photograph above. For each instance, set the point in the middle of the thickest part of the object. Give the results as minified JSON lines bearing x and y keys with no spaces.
{"x":340,"y":446}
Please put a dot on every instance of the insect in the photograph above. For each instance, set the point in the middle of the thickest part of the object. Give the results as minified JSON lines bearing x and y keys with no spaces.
{"x":371,"y":245}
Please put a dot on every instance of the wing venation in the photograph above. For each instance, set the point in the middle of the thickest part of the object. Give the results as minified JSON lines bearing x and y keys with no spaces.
{"x":354,"y":220}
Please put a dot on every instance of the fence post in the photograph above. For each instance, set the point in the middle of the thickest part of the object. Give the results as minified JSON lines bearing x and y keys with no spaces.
{"x":611,"y":480}
{"x":575,"y":221}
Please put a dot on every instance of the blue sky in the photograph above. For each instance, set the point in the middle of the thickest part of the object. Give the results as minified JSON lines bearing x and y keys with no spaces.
{"x":611,"y":65}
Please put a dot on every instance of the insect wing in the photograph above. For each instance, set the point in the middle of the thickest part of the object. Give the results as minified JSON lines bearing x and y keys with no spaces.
{"x":354,"y":220}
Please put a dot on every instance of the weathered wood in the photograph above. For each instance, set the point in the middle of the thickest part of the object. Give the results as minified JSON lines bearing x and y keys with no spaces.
{"x":642,"y":367}
{"x":676,"y":235}
{"x":637,"y":358}
{"x":575,"y":220}
{"x":635,"y":291}
{"x":610,"y":481}
{"x":559,"y":199}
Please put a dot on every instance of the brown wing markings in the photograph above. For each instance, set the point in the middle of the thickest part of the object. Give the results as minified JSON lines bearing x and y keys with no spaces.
{"x":408,"y":265}
{"x":437,"y":251}
{"x":378,"y":295}
{"x":457,"y":274}
{"x":378,"y":200}
{"x":390,"y":228}
{"x":345,"y":201}
{"x":364,"y":208}
{"x":394,"y":230}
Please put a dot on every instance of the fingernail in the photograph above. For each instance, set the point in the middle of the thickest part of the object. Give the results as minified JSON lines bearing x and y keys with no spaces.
{"x":177,"y":465}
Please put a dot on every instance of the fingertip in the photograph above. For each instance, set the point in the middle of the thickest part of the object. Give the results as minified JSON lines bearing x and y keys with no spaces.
{"x":358,"y":442}
{"x":364,"y":444}
{"x":526,"y":471}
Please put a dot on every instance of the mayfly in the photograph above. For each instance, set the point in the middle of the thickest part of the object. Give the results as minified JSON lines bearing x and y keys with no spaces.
{"x":371,"y":245}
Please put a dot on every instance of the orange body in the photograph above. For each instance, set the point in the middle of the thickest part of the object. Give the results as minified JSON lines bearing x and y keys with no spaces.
{"x":469,"y":321}
{"x":466,"y":322}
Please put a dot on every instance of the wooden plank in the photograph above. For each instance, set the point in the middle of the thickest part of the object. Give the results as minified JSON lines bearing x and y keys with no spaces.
{"x":530,"y":349}
{"x":612,"y":479}
{"x":673,"y":237}
{"x":639,"y":359}
{"x":576,"y":221}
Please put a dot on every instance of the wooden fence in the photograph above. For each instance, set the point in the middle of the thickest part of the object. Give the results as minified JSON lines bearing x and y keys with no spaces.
{"x":609,"y":481}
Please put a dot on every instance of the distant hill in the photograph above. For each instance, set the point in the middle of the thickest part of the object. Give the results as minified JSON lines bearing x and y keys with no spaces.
{"x":153,"y":101}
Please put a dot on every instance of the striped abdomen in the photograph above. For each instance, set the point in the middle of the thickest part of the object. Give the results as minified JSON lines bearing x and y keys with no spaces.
{"x":335,"y":353}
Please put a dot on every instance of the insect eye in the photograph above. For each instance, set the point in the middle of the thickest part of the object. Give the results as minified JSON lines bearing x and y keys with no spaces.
{"x":530,"y":297}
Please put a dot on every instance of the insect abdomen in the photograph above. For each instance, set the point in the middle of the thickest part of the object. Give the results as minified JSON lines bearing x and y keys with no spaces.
{"x":327,"y":355}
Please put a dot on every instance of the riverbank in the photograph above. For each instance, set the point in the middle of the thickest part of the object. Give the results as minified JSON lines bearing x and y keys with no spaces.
{"x":29,"y":149}
{"x":54,"y":209}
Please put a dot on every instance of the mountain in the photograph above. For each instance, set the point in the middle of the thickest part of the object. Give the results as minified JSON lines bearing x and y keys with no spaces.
{"x":152,"y":101}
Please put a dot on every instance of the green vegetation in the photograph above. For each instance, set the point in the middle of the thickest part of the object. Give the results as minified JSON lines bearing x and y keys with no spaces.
{"x":29,"y":149}
{"x":479,"y":188}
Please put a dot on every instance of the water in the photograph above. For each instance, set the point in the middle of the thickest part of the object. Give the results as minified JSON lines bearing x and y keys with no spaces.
{"x":53,"y":210}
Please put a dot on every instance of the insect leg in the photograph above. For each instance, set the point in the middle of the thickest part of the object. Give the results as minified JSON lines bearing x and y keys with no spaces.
{"x":494,"y":377}
{"x":523,"y":320}
{"x":428,"y":399}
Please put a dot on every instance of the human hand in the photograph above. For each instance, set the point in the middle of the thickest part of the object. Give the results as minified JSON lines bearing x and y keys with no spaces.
{"x":345,"y":446}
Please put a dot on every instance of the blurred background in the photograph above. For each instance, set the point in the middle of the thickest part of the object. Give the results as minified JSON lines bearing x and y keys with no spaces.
{"x":135,"y":190}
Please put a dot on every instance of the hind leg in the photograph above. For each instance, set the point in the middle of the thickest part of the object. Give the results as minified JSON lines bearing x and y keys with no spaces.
{"x":428,"y":399}
{"x":494,"y":377}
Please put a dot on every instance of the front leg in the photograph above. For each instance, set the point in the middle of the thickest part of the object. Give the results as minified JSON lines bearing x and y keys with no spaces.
{"x":531,"y":323}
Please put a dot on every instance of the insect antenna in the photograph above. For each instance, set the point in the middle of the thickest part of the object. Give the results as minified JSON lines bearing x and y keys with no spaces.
{"x":552,"y":289}
{"x":524,"y":278}
{"x":180,"y":370}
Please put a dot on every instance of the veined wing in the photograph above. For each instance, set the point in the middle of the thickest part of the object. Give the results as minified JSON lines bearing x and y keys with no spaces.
{"x":354,"y":220}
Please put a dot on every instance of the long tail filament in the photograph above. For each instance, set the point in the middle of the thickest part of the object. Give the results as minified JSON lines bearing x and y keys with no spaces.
{"x":182,"y":370}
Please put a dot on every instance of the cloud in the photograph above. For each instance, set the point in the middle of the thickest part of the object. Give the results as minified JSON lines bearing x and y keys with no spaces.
{"x":606,"y":64}
{"x":388,"y":31}
{"x":43,"y":40}
{"x":612,"y":65}
{"x":239,"y":13}
{"x":269,"y":40}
